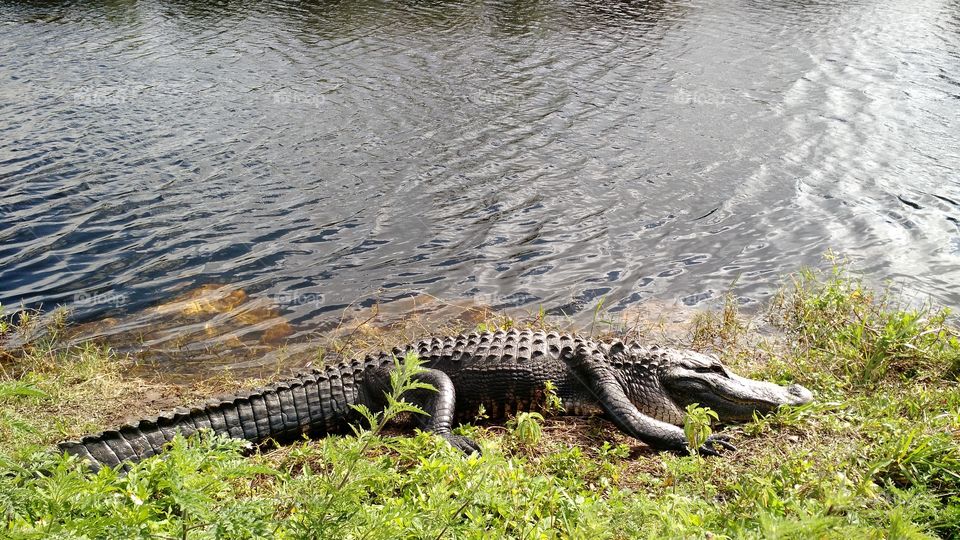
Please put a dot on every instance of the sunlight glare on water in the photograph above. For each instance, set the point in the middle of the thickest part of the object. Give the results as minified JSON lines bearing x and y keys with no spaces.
{"x":319,"y":155}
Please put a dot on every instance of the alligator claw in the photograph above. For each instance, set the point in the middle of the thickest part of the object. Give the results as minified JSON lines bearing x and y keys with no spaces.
{"x":464,"y":444}
{"x":723,"y":441}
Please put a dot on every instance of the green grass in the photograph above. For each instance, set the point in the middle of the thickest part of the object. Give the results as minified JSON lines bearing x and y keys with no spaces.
{"x":875,"y":456}
{"x":861,"y":335}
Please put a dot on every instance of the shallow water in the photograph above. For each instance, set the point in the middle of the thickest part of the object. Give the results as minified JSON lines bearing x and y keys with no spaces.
{"x":319,"y":155}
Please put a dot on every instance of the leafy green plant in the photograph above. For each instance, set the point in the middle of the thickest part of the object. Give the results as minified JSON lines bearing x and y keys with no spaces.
{"x":861,"y":334}
{"x":551,"y":401}
{"x":181,"y":493}
{"x":696,"y":425}
{"x":481,"y":414}
{"x":493,"y":324}
{"x":19,"y":389}
{"x":526,"y":428}
{"x":914,"y":457}
{"x":608,"y":452}
{"x":402,"y":380}
{"x":10,"y":421}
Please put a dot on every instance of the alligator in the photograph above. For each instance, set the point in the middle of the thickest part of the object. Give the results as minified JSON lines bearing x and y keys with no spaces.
{"x":643,"y":390}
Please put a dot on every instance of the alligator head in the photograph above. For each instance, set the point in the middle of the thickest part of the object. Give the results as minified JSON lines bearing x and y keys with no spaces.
{"x":682,"y":377}
{"x":691,"y":377}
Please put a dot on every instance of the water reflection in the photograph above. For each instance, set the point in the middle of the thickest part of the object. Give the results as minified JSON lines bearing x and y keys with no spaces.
{"x":514,"y":154}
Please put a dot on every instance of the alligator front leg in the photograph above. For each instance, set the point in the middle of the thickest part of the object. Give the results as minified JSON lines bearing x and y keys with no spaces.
{"x":439,"y":404}
{"x":588,"y":365}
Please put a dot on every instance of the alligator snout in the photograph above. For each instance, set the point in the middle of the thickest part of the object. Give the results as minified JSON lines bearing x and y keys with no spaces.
{"x":800,"y":395}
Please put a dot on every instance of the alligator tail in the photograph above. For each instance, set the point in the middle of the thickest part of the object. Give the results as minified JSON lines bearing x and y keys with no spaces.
{"x":316,"y":403}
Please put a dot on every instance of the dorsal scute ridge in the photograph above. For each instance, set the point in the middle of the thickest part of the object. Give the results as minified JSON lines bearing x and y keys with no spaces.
{"x":511,"y":344}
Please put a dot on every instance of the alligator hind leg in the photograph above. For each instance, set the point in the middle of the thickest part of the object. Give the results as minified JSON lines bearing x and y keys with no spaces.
{"x":439,"y":404}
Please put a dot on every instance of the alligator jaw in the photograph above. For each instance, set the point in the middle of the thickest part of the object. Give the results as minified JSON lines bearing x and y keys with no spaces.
{"x":732,"y":397}
{"x":762,"y":396}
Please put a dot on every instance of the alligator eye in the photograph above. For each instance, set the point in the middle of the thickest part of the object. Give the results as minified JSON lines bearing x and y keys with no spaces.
{"x":716,"y":368}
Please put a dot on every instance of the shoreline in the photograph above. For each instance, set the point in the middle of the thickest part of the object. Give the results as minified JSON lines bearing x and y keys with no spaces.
{"x":876,"y":454}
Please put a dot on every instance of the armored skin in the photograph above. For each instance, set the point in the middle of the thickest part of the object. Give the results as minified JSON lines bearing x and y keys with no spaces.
{"x":643,"y":390}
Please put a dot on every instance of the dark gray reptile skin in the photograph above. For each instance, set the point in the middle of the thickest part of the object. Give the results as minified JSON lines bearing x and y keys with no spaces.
{"x":643,"y":390}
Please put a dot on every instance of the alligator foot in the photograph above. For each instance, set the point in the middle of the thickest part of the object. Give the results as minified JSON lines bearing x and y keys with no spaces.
{"x":464,"y":444}
{"x":721,"y":440}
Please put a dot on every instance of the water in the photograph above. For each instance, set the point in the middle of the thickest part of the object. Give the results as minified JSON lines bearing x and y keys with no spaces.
{"x":298,"y":158}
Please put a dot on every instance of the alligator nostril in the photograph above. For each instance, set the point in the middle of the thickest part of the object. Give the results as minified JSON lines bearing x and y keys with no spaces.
{"x":803,"y":395}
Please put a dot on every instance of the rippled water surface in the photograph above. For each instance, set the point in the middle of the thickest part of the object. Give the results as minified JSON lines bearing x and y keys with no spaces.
{"x":295,"y":158}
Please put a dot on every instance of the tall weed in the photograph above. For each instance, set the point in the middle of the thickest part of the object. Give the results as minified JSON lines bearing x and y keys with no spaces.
{"x":865,"y":335}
